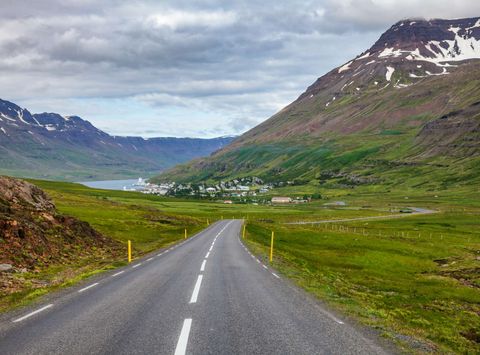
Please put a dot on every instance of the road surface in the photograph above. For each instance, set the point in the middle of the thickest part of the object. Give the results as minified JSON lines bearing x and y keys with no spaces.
{"x":414,"y":212}
{"x":207,"y":295}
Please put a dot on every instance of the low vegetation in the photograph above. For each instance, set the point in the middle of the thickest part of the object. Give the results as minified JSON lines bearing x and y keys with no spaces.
{"x":415,"y":279}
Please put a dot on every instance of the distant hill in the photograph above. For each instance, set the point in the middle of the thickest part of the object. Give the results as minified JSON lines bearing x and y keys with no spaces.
{"x":404,"y":112}
{"x":50,"y":146}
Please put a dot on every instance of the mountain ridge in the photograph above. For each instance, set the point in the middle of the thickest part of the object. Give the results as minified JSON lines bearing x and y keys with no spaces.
{"x":377,"y":107}
{"x":52,"y":146}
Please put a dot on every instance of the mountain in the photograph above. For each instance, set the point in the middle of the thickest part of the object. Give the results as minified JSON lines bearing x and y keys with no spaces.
{"x":48,"y":145}
{"x":400,"y":113}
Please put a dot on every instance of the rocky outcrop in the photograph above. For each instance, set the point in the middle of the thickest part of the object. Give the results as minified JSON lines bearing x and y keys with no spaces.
{"x":454,"y":134}
{"x":18,"y":194}
{"x":33,"y":235}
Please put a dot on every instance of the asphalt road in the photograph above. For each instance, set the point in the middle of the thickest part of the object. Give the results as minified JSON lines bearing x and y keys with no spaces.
{"x":207,"y":295}
{"x":415,"y":211}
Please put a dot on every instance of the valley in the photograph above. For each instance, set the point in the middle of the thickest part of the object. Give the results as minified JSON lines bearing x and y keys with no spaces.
{"x":349,"y":221}
{"x":51,"y":146}
{"x":383,"y":273}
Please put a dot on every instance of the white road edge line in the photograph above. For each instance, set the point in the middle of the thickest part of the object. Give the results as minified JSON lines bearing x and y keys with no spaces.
{"x":33,"y":313}
{"x":86,"y":288}
{"x":118,"y":273}
{"x":196,"y":289}
{"x":134,"y":266}
{"x":149,"y":259}
{"x":274,"y":274}
{"x":202,"y":268}
{"x":181,"y":348}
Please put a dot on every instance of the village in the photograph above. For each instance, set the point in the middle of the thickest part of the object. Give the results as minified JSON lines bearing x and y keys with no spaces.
{"x":243,"y":190}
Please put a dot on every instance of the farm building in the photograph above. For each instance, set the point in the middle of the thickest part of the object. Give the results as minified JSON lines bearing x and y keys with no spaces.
{"x":279,"y":199}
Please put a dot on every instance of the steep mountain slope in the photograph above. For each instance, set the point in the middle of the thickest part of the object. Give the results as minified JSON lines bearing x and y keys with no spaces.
{"x":403,"y":111}
{"x":49,"y":145}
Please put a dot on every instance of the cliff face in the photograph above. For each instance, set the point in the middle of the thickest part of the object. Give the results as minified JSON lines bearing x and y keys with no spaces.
{"x":34,"y":236}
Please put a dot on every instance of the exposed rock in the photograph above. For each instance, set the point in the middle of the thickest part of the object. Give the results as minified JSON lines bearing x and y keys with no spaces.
{"x":33,"y":234}
{"x":5,"y":267}
{"x":21,"y":194}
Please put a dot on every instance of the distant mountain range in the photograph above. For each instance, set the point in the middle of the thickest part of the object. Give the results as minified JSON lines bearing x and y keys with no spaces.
{"x":51,"y":146}
{"x":404,"y":112}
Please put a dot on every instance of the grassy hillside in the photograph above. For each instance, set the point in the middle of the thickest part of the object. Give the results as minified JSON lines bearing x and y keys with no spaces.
{"x":425,"y":134}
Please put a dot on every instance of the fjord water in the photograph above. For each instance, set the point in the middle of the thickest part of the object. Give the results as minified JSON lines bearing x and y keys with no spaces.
{"x":112,"y":184}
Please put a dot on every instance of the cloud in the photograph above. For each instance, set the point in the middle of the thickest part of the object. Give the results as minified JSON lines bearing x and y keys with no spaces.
{"x":175,"y":19}
{"x":184,"y":67}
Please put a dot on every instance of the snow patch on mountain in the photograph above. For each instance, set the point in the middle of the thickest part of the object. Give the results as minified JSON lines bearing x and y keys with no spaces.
{"x":390,"y":71}
{"x":345,"y":67}
{"x":444,"y":72}
{"x":476,"y":25}
{"x":366,"y":55}
{"x":390,"y":52}
{"x":459,"y":49}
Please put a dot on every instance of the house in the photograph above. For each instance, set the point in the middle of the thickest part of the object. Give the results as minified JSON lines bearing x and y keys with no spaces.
{"x":279,"y":200}
{"x":228,"y":202}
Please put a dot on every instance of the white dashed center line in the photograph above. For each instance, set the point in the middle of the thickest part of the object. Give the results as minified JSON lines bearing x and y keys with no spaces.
{"x":181,"y":348}
{"x":196,"y":289}
{"x":202,"y":268}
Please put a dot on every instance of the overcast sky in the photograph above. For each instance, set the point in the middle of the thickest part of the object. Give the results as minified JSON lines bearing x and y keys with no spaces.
{"x":186,"y":68}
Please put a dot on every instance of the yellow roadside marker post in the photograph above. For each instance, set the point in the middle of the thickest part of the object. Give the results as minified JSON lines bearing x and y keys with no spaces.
{"x":129,"y":251}
{"x":208,"y":222}
{"x":185,"y":233}
{"x":222,"y":217}
{"x":271,"y":246}
{"x":244,"y":226}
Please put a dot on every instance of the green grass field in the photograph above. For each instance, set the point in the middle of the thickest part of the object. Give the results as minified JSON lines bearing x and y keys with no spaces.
{"x":415,"y":279}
